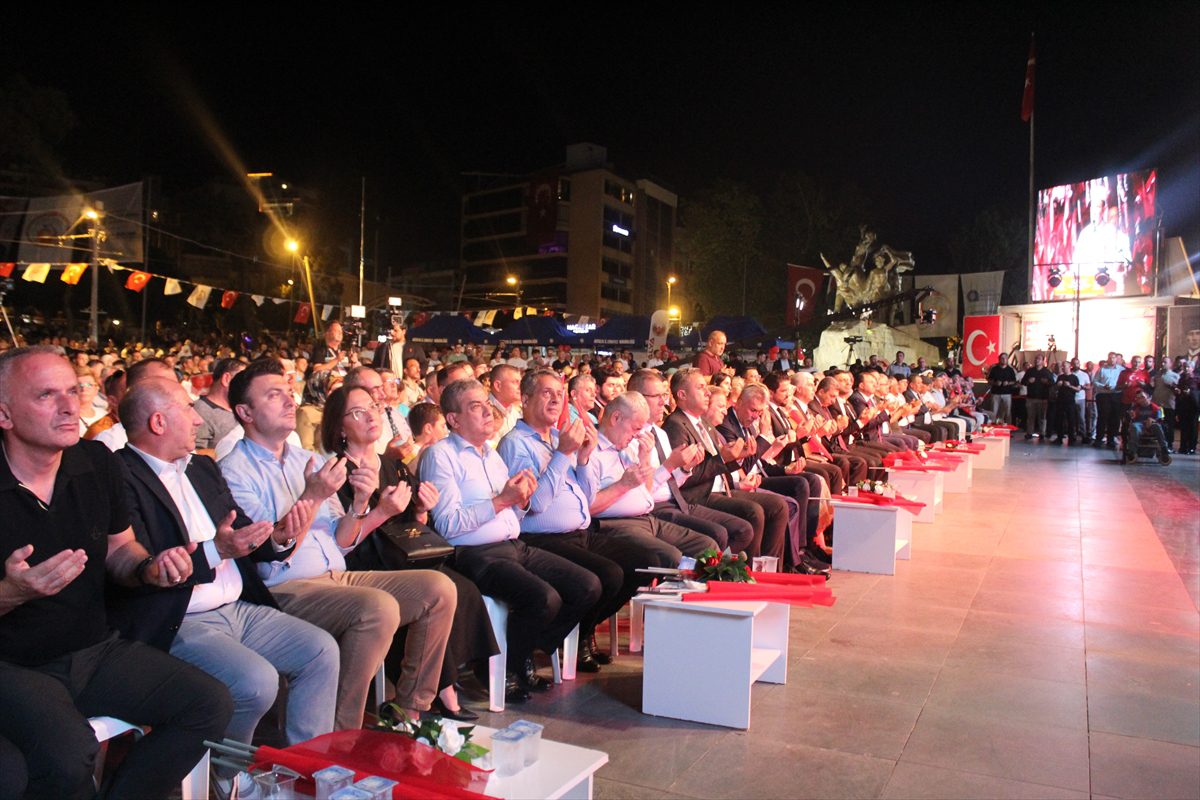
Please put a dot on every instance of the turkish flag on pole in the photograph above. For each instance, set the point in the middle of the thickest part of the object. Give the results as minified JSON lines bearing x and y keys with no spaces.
{"x":137,"y":280}
{"x":1027,"y":96}
{"x":981,"y":345}
{"x":228,"y":299}
{"x":803,"y":288}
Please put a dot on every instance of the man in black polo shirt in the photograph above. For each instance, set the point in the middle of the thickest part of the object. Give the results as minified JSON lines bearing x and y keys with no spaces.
{"x":1038,"y":381}
{"x":64,"y":525}
{"x":1003,"y":381}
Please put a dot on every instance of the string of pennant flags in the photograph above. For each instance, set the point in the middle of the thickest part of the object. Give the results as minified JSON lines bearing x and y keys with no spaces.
{"x":138,"y":279}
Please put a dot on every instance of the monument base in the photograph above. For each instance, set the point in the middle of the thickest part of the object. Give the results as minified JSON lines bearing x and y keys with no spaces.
{"x":878,"y":340}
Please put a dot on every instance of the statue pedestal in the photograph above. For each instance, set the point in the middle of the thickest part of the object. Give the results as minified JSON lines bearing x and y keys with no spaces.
{"x":878,"y":340}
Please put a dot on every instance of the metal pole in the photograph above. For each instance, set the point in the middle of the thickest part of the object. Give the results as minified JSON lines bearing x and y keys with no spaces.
{"x":94,"y":323}
{"x":362,"y":238}
{"x":1032,"y":199}
{"x":312,"y":299}
{"x":1077,"y":312}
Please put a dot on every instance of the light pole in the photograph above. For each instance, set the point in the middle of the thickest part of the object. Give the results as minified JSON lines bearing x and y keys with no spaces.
{"x":96,"y":233}
{"x":671,"y":281}
{"x":514,"y":281}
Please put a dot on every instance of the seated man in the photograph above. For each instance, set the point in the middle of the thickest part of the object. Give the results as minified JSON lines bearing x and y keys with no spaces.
{"x":777,"y":421}
{"x":362,"y":610}
{"x":559,"y":519}
{"x":1145,"y":419}
{"x":222,"y":619}
{"x":479,"y":510}
{"x":806,"y":411}
{"x":65,"y":528}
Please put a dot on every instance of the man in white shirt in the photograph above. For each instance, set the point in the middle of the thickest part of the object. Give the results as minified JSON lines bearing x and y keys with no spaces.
{"x":505,"y":396}
{"x":222,"y":619}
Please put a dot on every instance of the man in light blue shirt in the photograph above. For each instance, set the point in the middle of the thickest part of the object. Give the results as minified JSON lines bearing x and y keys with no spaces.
{"x":479,"y":510}
{"x":559,"y":519}
{"x":362,"y":610}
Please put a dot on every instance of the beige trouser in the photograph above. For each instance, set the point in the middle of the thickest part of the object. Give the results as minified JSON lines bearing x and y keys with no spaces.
{"x":308,"y":427}
{"x":363,"y":610}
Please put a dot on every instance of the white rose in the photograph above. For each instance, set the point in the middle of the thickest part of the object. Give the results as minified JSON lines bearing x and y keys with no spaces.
{"x":450,"y":740}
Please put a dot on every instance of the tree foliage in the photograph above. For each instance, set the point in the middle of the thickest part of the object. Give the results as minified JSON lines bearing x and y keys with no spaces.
{"x":36,"y":120}
{"x":995,"y":239}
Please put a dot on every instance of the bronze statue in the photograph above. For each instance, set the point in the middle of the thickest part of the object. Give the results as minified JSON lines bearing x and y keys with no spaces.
{"x":857,"y":285}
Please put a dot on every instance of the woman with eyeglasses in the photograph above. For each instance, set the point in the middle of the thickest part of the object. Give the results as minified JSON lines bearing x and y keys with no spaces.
{"x":88,"y":389}
{"x":351,"y":427}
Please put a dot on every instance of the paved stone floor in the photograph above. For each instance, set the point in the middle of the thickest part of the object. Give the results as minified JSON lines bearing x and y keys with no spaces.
{"x":1043,"y":641}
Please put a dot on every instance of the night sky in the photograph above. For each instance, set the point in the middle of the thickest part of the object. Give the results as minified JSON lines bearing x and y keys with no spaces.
{"x":919,"y":106}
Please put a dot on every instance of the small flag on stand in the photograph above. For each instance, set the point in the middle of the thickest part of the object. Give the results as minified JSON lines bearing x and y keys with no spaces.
{"x":199,"y":296}
{"x":36,"y":273}
{"x":228,"y":298}
{"x":303,"y":313}
{"x":172,"y":287}
{"x":72,"y":273}
{"x":6,"y":269}
{"x":137,"y":280}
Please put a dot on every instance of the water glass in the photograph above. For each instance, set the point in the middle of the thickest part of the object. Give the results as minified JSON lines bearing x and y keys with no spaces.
{"x":350,"y":793}
{"x":532,"y":743}
{"x":379,"y":788}
{"x":275,"y":785}
{"x":507,"y":755}
{"x":330,"y":779}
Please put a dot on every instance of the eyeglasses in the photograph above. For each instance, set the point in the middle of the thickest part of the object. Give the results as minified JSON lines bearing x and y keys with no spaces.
{"x":361,"y":414}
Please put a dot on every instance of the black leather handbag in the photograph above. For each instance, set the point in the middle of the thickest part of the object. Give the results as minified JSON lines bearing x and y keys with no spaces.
{"x":410,"y":545}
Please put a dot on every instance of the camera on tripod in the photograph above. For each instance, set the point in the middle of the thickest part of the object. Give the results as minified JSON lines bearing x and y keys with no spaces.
{"x":853,"y":339}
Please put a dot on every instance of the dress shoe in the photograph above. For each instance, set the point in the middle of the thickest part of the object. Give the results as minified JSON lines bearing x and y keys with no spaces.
{"x":464,"y":714}
{"x":528,"y":678}
{"x":804,"y":568}
{"x":818,"y":555}
{"x":1028,"y":436}
{"x":602,"y":658}
{"x":514,"y":692}
{"x":586,"y":660}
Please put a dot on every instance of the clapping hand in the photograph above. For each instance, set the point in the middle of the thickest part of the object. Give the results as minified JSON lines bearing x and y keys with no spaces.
{"x":322,"y":483}
{"x":364,"y":481}
{"x":732,"y":451}
{"x":635,"y":475}
{"x":518,"y":489}
{"x":394,"y":499}
{"x":571,"y":437}
{"x":296,"y":522}
{"x":427,"y":496}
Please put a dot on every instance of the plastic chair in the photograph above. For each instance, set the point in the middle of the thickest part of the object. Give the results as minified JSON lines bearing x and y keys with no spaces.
{"x":194,"y":785}
{"x":498,"y":614}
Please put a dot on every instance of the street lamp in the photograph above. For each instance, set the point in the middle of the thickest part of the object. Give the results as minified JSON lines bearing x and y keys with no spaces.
{"x":671,"y":281}
{"x":514,"y":282}
{"x":96,"y":232}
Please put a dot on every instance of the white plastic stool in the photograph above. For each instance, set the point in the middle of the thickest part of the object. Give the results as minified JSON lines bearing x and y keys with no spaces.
{"x":498,"y":614}
{"x":195,"y":784}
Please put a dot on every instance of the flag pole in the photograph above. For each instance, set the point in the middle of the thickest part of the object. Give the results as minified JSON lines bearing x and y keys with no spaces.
{"x":1027,"y":102}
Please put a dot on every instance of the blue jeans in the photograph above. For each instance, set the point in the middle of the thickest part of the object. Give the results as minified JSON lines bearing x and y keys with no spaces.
{"x":247,"y":647}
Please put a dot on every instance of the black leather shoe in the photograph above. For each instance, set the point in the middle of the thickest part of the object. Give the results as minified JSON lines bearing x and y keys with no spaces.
{"x":586,"y":661}
{"x":464,"y":714}
{"x":804,"y":568}
{"x":818,"y":555}
{"x":602,"y":658}
{"x":514,"y":692}
{"x":529,"y":680}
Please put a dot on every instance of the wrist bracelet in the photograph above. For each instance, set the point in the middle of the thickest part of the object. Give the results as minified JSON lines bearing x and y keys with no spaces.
{"x":365,"y":512}
{"x":140,"y":570}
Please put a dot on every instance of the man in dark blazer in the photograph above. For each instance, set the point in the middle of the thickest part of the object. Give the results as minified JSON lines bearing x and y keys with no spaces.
{"x":392,"y":353}
{"x":222,"y":619}
{"x":829,"y":405}
{"x":685,"y":425}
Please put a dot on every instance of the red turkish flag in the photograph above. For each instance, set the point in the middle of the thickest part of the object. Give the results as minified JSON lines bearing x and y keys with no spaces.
{"x":137,"y":280}
{"x":6,"y":269}
{"x":803,"y":288}
{"x":1027,"y":95}
{"x":981,"y":345}
{"x":228,"y":299}
{"x":73,"y":272}
{"x":303,"y":313}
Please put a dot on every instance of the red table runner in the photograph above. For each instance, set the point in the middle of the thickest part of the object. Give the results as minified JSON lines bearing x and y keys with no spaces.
{"x":774,"y":587}
{"x":872,"y":499}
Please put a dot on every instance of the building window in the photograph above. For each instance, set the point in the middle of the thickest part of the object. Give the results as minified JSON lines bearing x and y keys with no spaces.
{"x":495,"y":225}
{"x":615,"y":293}
{"x":501,"y":200}
{"x":618,"y":192}
{"x":564,"y":189}
{"x":616,"y":268}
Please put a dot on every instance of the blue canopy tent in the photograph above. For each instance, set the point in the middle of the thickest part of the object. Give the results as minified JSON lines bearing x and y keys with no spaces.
{"x":449,"y":329}
{"x":689,"y":342}
{"x":736,"y":329}
{"x":624,"y":331}
{"x":542,"y":331}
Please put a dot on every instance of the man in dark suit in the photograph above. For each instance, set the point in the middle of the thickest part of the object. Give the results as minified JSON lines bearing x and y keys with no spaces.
{"x":828,"y":404}
{"x":685,"y":425}
{"x":222,"y":619}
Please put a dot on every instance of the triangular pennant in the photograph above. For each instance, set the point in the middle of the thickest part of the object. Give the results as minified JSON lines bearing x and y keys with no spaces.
{"x":199,"y":296}
{"x":518,"y":313}
{"x":326,"y":313}
{"x":137,"y":280}
{"x":228,"y":298}
{"x":73,"y":272}
{"x":258,"y":299}
{"x":303,"y":313}
{"x":6,"y":269}
{"x":278,"y":300}
{"x":172,"y":287}
{"x":36,"y":273}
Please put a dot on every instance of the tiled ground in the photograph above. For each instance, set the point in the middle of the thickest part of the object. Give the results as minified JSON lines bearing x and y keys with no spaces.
{"x":1043,"y":642}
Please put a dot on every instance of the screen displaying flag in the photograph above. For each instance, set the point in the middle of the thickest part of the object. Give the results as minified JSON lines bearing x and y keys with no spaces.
{"x":137,"y":280}
{"x":72,"y":273}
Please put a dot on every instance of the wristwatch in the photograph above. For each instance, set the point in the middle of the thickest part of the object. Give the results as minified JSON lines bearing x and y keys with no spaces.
{"x":364,"y":513}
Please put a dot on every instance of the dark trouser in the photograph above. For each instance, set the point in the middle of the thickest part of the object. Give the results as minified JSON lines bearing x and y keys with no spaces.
{"x":46,"y":710}
{"x":1141,"y":430}
{"x":833,"y":476}
{"x":727,"y":530}
{"x":802,"y":491}
{"x":872,"y":457}
{"x":1035,"y":421}
{"x":546,"y":594}
{"x":854,"y":468}
{"x":767,"y":512}
{"x":1108,"y":408}
{"x":12,"y":771}
{"x":901,"y":441}
{"x":1069,"y":422}
{"x":1187,"y":411}
{"x":920,"y":435}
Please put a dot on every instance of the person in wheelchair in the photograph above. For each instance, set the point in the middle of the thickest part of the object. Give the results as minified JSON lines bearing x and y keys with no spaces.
{"x":1144,"y":420}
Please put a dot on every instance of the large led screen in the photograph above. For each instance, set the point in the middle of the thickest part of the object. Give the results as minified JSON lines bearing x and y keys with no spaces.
{"x":1099,"y":232}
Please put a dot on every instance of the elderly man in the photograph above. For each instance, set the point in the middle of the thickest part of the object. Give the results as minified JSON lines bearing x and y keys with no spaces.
{"x":479,"y":510}
{"x":362,"y":610}
{"x":114,"y":438}
{"x":673,"y":466}
{"x":709,"y":482}
{"x":559,"y":518}
{"x":581,"y":392}
{"x":708,"y":360}
{"x":805,"y":406}
{"x":65,"y":529}
{"x":776,"y":421}
{"x":222,"y":619}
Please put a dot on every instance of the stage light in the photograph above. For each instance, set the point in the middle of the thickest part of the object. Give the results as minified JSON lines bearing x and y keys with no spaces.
{"x":1102,"y":276}
{"x":1055,"y":279}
